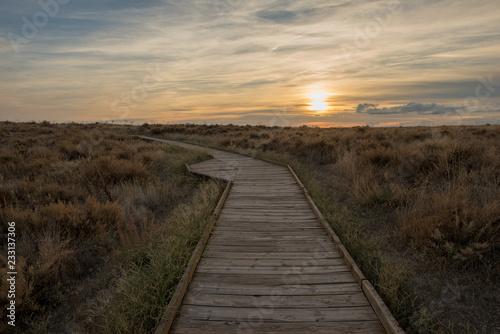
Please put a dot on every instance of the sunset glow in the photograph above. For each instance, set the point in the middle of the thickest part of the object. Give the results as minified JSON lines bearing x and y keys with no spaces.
{"x":244,"y":61}
{"x":318,"y":101}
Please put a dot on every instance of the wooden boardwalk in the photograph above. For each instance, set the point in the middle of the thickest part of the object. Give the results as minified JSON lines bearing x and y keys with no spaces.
{"x":269,"y":265}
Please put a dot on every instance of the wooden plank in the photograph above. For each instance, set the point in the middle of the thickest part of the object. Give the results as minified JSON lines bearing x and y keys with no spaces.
{"x":295,"y":234}
{"x":249,"y":270}
{"x":267,"y":237}
{"x":266,"y":219}
{"x":291,"y":245}
{"x":267,"y":201}
{"x":272,"y":197}
{"x":268,"y":212}
{"x":188,"y":326}
{"x":245,"y":254}
{"x":312,"y":248}
{"x":260,"y":178}
{"x":261,"y":223}
{"x":279,"y":228}
{"x":213,"y":166}
{"x":264,"y":225}
{"x":269,"y":208}
{"x":270,"y":248}
{"x":264,"y":183}
{"x":271,"y":262}
{"x":270,"y":205}
{"x":388,"y":321}
{"x":275,"y":290}
{"x":266,"y":189}
{"x":322,"y":301}
{"x":278,"y":279}
{"x":362,"y":313}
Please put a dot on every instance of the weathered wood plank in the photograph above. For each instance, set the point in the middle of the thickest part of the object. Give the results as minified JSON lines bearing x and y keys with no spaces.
{"x":245,"y":254}
{"x":268,"y":197}
{"x":268,"y":206}
{"x":277,"y":279}
{"x":264,"y":240}
{"x":278,"y":270}
{"x":195,"y":312}
{"x":268,"y":248}
{"x":185,"y":326}
{"x":257,"y":200}
{"x":250,"y":227}
{"x":385,"y":316}
{"x":275,"y":290}
{"x":265,"y":237}
{"x":271,"y":262}
{"x":266,"y":219}
{"x":295,"y":234}
{"x":269,"y":211}
{"x":274,"y":215}
{"x":307,"y":302}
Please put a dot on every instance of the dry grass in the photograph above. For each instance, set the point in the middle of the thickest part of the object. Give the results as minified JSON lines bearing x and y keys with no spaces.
{"x":81,"y":197}
{"x":151,"y":274}
{"x":427,"y":198}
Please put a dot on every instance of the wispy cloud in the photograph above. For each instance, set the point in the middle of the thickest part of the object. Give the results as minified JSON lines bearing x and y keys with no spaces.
{"x":240,"y":56}
{"x":412,"y":107}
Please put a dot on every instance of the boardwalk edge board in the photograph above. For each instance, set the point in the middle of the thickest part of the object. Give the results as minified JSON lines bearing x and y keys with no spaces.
{"x":172,"y":308}
{"x":386,"y":318}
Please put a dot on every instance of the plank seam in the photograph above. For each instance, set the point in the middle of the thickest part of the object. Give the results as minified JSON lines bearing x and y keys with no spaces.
{"x":386,"y":317}
{"x":172,"y":308}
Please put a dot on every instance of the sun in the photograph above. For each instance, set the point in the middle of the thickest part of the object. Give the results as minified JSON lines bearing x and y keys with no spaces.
{"x":318,"y":101}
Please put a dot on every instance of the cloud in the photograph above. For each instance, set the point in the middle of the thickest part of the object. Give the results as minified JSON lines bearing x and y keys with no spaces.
{"x":254,"y":83}
{"x":412,"y":107}
{"x":238,"y":55}
{"x":365,"y":106}
{"x":277,"y":16}
{"x":298,"y":13}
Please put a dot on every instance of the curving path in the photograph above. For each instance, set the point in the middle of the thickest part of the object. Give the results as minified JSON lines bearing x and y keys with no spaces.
{"x":269,"y":265}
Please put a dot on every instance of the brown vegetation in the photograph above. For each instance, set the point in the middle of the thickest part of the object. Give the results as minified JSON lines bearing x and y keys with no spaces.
{"x":81,"y":196}
{"x":419,"y":209}
{"x":429,"y":198}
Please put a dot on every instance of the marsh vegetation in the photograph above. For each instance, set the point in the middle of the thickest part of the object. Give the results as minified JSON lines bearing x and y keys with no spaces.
{"x":105,"y":224}
{"x":101,"y":216}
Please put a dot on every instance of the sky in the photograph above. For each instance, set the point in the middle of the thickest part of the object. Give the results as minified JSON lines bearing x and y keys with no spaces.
{"x":275,"y":62}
